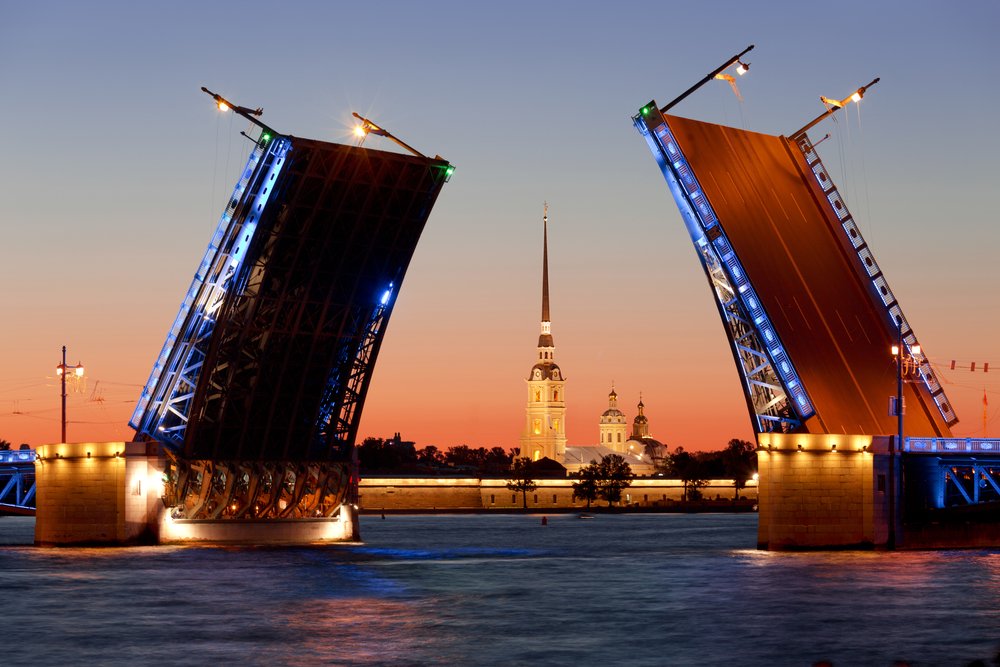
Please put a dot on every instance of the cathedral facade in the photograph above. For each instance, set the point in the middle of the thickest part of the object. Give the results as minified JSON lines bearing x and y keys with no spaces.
{"x":544,"y":434}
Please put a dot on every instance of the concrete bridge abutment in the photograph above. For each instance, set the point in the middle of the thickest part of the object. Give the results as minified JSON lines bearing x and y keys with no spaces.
{"x":827,"y":492}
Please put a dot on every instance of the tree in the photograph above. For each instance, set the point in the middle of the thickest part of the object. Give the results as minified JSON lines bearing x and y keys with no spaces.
{"x":4,"y":445}
{"x":520,"y":480}
{"x":496,"y":461}
{"x":586,"y":488}
{"x":614,"y":476}
{"x":430,"y":456}
{"x":740,"y":460}
{"x":465,"y":457}
{"x":689,"y":470}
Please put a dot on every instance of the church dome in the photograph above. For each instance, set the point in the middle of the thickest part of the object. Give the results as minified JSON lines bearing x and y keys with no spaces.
{"x":546,"y":371}
{"x":613,"y":412}
{"x":640,"y":419}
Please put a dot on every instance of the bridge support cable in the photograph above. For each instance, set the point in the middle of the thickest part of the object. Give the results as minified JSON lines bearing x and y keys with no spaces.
{"x":884,"y":296}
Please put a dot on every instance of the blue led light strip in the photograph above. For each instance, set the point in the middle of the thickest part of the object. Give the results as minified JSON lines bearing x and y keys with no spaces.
{"x":162,"y":408}
{"x":853,"y":235}
{"x":337,"y":429}
{"x":734,"y":292}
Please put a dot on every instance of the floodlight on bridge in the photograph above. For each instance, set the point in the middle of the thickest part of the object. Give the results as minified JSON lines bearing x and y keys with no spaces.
{"x":369,"y":127}
{"x":833,"y":105}
{"x":735,"y":60}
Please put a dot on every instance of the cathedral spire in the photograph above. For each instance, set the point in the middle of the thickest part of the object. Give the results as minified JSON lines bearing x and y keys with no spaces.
{"x":545,"y":264}
{"x":545,"y":339}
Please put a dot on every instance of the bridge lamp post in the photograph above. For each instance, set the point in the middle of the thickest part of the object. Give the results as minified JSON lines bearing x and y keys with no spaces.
{"x":61,"y":370}
{"x":901,"y":362}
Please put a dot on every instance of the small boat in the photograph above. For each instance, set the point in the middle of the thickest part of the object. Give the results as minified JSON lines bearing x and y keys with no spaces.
{"x":585,"y":516}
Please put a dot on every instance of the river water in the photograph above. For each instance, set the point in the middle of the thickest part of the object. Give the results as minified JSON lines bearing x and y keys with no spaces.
{"x":620,"y":589}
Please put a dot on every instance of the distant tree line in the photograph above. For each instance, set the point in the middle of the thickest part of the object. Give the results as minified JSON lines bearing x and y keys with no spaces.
{"x":395,"y":455}
{"x":604,"y":479}
{"x":5,"y":445}
{"x":738,"y":462}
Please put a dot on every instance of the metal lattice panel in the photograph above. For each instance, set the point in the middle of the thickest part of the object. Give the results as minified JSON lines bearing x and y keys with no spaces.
{"x":277,"y":339}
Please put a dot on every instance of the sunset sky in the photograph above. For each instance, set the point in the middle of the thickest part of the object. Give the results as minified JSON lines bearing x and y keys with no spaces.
{"x":116,"y":168}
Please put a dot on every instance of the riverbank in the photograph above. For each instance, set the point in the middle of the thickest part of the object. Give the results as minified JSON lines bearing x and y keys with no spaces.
{"x":429,"y":495}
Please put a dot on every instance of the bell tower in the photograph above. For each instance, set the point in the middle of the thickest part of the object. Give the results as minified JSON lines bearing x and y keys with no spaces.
{"x":545,"y":415}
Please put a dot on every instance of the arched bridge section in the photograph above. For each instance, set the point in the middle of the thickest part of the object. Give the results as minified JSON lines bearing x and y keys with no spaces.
{"x":809,"y":315}
{"x":258,"y":390}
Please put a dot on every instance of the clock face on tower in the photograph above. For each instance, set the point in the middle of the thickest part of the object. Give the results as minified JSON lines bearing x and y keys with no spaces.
{"x":538,"y":374}
{"x":555,"y":375}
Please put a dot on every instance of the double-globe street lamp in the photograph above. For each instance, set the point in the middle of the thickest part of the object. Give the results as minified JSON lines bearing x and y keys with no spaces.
{"x":906,"y":364}
{"x":61,"y":370}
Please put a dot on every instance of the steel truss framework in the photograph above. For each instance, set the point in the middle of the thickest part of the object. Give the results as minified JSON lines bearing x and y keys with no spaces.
{"x":255,"y":489}
{"x":967,"y":469}
{"x":970,"y":482}
{"x":270,"y":358}
{"x":17,"y":481}
{"x":774,"y":393}
{"x":164,"y":408}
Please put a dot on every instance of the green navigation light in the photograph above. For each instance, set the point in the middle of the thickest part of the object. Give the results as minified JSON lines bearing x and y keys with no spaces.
{"x":449,"y":171}
{"x":645,"y":111}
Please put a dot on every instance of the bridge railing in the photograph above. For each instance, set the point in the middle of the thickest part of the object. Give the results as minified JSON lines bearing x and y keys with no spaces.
{"x":853,"y":234}
{"x":951,"y":445}
{"x":17,"y":456}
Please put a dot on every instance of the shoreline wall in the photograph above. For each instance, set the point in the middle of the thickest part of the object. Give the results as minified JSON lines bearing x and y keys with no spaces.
{"x":471,"y":493}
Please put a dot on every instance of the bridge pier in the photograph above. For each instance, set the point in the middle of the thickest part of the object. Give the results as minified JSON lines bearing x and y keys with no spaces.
{"x":826,"y":492}
{"x":111,"y":494}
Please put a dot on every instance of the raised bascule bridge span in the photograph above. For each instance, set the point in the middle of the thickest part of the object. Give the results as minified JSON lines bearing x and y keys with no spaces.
{"x":247,"y":424}
{"x":822,"y":347}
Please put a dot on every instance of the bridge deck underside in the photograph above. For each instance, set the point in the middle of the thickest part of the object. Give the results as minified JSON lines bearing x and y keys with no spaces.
{"x":331,"y":251}
{"x":836,"y":333}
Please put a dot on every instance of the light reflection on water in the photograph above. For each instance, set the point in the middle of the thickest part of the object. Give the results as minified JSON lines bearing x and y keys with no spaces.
{"x":501,"y":589}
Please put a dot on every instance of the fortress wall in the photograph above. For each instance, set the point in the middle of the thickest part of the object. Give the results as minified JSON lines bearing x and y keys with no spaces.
{"x":436,"y":493}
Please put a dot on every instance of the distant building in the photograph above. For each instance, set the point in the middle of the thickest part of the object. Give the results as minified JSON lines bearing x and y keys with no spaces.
{"x":544,"y":435}
{"x":613,"y":436}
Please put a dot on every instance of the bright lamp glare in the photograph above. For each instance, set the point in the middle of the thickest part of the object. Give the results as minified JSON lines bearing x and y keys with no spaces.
{"x":895,"y":350}
{"x":59,"y":370}
{"x":856,"y":97}
{"x":741,"y":69}
{"x":223,"y":106}
{"x":359,"y":131}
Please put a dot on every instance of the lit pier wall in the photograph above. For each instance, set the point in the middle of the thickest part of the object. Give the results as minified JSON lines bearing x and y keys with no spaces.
{"x":111,"y":494}
{"x":823,"y":491}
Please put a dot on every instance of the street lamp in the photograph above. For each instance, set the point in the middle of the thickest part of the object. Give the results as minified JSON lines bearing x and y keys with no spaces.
{"x":905,"y":364}
{"x":61,"y":370}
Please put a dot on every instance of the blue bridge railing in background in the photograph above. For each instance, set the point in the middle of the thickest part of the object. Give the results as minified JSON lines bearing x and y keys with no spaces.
{"x":17,"y":481}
